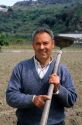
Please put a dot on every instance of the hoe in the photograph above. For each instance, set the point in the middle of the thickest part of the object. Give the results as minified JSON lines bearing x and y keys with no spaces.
{"x":60,"y":42}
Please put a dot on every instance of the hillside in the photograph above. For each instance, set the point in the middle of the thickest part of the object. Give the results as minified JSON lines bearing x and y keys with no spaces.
{"x":20,"y":21}
{"x":43,"y":2}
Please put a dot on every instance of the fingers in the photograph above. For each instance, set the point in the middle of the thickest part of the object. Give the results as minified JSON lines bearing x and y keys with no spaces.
{"x":39,"y":101}
{"x":45,"y":97}
{"x":54,"y":79}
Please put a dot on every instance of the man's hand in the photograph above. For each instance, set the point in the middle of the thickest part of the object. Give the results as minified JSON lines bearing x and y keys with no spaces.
{"x":40,"y":100}
{"x":54,"y":79}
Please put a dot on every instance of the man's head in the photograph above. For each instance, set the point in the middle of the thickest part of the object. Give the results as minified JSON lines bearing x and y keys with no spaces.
{"x":43,"y":43}
{"x":42,"y":30}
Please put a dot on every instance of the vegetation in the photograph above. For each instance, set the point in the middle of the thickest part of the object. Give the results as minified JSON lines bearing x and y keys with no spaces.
{"x":20,"y":21}
{"x":3,"y":40}
{"x":44,"y":2}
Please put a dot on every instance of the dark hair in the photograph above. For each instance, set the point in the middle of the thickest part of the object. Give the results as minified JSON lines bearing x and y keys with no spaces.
{"x":42,"y":30}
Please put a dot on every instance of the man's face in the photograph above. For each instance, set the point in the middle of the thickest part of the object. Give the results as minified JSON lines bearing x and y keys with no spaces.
{"x":43,"y":45}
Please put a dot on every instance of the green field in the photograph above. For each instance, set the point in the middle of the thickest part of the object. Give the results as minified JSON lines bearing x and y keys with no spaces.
{"x":9,"y":58}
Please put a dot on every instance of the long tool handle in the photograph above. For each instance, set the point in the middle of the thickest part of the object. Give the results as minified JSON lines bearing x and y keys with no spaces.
{"x":45,"y":113}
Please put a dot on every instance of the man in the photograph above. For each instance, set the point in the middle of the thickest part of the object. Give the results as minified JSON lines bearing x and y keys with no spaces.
{"x":30,"y":80}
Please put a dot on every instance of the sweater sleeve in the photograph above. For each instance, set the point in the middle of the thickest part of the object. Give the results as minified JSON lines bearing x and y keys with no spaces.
{"x":67,"y":93}
{"x":14,"y":95}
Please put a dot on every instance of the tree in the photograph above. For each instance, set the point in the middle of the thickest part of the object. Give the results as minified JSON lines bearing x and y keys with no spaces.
{"x":3,"y":40}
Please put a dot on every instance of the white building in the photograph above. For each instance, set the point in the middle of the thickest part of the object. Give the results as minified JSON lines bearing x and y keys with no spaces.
{"x":2,"y":9}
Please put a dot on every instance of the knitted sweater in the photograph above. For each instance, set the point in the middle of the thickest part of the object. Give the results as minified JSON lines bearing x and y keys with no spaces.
{"x":25,"y":82}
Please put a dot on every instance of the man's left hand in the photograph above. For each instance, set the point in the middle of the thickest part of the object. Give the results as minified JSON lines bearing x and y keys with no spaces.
{"x":55,"y":80}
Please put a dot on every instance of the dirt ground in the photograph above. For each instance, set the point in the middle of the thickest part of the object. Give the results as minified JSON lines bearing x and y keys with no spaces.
{"x":8,"y":59}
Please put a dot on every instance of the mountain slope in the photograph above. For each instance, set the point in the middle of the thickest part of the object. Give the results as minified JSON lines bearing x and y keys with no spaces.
{"x":43,"y":2}
{"x":21,"y":21}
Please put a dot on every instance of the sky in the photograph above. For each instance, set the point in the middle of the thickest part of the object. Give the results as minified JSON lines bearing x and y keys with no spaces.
{"x":8,"y":2}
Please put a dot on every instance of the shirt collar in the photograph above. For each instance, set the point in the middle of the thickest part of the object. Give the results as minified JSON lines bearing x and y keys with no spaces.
{"x":37,"y":63}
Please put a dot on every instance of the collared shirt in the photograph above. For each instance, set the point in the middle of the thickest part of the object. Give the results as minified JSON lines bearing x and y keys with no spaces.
{"x":41,"y":70}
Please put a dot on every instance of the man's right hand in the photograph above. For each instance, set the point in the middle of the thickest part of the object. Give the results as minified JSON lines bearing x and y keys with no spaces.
{"x":40,"y":100}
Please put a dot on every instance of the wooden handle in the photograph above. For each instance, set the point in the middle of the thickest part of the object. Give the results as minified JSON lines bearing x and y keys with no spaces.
{"x":45,"y":113}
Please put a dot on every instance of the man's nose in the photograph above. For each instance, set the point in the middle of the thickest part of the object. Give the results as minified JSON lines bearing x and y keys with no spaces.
{"x":42,"y":46}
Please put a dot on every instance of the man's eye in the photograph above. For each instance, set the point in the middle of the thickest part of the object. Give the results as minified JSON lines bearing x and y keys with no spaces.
{"x":37,"y":44}
{"x":45,"y":43}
